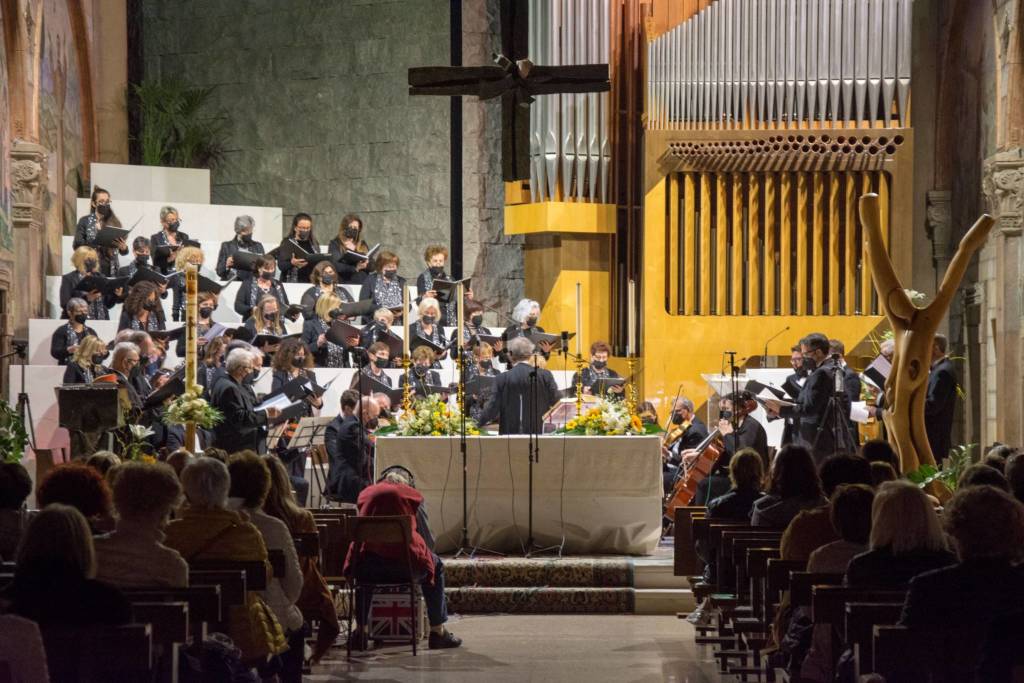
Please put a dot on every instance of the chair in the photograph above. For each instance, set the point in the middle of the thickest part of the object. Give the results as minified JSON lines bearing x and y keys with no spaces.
{"x":393,"y":531}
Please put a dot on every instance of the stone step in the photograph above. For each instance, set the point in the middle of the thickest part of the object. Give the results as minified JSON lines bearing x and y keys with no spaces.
{"x":663,"y":601}
{"x":507,"y":600}
{"x":568,"y":572}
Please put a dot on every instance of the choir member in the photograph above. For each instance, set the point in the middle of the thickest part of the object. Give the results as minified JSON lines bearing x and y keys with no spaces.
{"x":140,"y":252}
{"x":378,"y":358}
{"x":300,"y":242}
{"x":66,"y":338}
{"x":436,"y":256}
{"x":87,"y":362}
{"x":421,"y":375}
{"x":88,"y":227}
{"x":428,"y":326}
{"x":382,"y":321}
{"x":242,"y":241}
{"x":526,"y":314}
{"x":326,"y":353}
{"x":206,"y":304}
{"x":166,"y":243}
{"x":482,"y":366}
{"x":265,"y":318}
{"x":474,"y":324}
{"x":251,"y":290}
{"x":142,"y":309}
{"x":86,"y":262}
{"x":598,"y":369}
{"x":291,"y":362}
{"x":350,"y":238}
{"x":384,"y":286}
{"x":325,"y":280}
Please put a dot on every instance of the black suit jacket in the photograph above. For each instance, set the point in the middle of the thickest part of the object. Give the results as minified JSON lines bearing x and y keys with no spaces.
{"x":242,"y":427}
{"x":230,"y":248}
{"x":61,"y":340}
{"x":811,"y":412}
{"x":164,"y":264}
{"x":691,"y":438}
{"x":348,"y":461}
{"x":939,"y":406}
{"x":513,"y":404}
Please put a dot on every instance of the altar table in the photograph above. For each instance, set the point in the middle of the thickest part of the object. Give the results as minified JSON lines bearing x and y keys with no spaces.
{"x":601,"y":494}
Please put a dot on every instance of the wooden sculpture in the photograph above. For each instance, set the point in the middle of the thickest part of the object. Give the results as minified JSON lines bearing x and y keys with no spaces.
{"x":914,"y":331}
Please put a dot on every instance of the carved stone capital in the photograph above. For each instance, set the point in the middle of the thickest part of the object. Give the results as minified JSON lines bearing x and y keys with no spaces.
{"x":28,"y":184}
{"x":1003,"y":186}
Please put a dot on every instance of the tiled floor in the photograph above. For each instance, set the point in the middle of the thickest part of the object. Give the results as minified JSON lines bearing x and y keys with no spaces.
{"x":548,"y":648}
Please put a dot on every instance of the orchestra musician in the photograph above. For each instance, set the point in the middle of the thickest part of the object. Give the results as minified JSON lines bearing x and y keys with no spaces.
{"x":348,"y":444}
{"x":685,"y":431}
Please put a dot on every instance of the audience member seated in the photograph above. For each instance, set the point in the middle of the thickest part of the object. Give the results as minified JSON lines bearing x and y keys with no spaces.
{"x":987,"y":527}
{"x":53,"y":580}
{"x":997,"y":455}
{"x":882,"y":472}
{"x":979,"y":474}
{"x":906,"y":539}
{"x":133,"y":555}
{"x":813,"y":528}
{"x":793,"y":486}
{"x":1015,"y":475}
{"x":66,"y":338}
{"x":103,"y":462}
{"x":83,"y":488}
{"x":180,"y":458}
{"x":250,"y":484}
{"x":850,"y":512}
{"x":86,"y":364}
{"x":15,"y":487}
{"x":207,"y":530}
{"x":315,"y":601}
{"x":22,"y":653}
{"x":880,"y":450}
{"x":379,"y":563}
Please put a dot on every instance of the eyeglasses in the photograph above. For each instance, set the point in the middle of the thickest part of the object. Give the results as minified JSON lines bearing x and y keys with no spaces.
{"x":106,"y":203}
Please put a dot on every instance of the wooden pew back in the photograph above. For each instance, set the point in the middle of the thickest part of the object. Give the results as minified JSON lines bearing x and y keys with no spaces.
{"x":204,"y":604}
{"x":96,"y":654}
{"x":685,"y":560}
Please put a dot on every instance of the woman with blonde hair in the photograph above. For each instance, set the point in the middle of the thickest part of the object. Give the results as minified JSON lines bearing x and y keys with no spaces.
{"x":54,"y":582}
{"x":906,"y":539}
{"x":429,"y":327}
{"x":326,"y":354}
{"x":87,"y":363}
{"x":315,"y":600}
{"x":86,"y":262}
{"x":185,"y":257}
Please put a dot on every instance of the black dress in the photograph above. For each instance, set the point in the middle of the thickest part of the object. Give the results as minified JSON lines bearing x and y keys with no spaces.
{"x":347,"y":273}
{"x":249,"y":294}
{"x":330,"y":355}
{"x":298,"y":248}
{"x":85,"y":236}
{"x":164,"y":263}
{"x":65,"y":336}
{"x":230,"y":248}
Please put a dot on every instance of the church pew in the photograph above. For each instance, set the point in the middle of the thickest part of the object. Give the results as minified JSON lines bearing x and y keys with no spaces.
{"x":231,"y":583}
{"x":99,"y":653}
{"x":255,"y":572}
{"x":307,"y":544}
{"x":828,"y":607}
{"x":203,"y":601}
{"x":777,"y":582}
{"x":170,"y":626}
{"x":945,"y":653}
{"x":801,"y":586}
{"x":685,"y":560}
{"x":757,"y":575}
{"x":859,"y":622}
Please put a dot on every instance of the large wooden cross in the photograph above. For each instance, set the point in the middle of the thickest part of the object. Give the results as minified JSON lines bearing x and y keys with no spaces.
{"x":513,"y":78}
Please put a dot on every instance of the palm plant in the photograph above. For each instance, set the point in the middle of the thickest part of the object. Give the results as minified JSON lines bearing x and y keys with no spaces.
{"x":178,"y":127}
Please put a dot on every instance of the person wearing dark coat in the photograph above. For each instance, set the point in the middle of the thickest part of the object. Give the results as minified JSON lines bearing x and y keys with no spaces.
{"x":526,"y":314}
{"x":66,"y":338}
{"x":516,"y":405}
{"x":420,"y":375}
{"x":348,"y":444}
{"x":89,"y":226}
{"x":746,"y":473}
{"x":300,"y":242}
{"x":166,"y":243}
{"x":385,"y":286}
{"x":940,"y":401}
{"x":811,"y":413}
{"x":251,"y":290}
{"x":242,"y":427}
{"x":86,"y":364}
{"x":597,"y":370}
{"x":86,"y":262}
{"x":140,"y":252}
{"x":325,"y":281}
{"x":693,"y":434}
{"x":350,"y":238}
{"x":242,"y":241}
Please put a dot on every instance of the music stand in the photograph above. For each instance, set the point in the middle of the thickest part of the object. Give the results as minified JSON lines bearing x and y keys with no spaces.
{"x":309,"y":433}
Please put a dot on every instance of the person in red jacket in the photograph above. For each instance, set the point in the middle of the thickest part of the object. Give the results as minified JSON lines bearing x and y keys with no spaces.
{"x":394,"y":494}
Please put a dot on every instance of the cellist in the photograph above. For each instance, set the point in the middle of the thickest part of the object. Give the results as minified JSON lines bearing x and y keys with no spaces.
{"x":749,"y":433}
{"x":685,"y":430}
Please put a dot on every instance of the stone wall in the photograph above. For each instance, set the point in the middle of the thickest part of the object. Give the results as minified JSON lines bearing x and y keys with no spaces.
{"x":321,"y":120}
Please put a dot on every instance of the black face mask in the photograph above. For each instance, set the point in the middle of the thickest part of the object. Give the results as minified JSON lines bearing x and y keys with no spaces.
{"x":725,"y":414}
{"x":142,"y":259}
{"x":380,"y":362}
{"x":419,"y":371}
{"x":266,"y":275}
{"x":350,"y":233}
{"x":81,"y":318}
{"x":173,"y":227}
{"x":429,"y":319}
{"x":372,"y":423}
{"x":599,"y":364}
{"x":436,"y":271}
{"x":677,"y":418}
{"x":90,"y":264}
{"x":476,"y":320}
{"x":298,"y":361}
{"x":152,"y":305}
{"x":104,"y":210}
{"x":98,"y":358}
{"x":269,"y":317}
{"x":205,"y":312}
{"x":809,"y":362}
{"x":245,"y":238}
{"x":135,"y":372}
{"x":327,"y":278}
{"x":486,"y":363}
{"x":302,"y":235}
{"x":531,"y":321}
{"x":251,"y":377}
{"x":390,"y":274}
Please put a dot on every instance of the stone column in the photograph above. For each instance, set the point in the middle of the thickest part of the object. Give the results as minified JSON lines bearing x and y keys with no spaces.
{"x":1003,"y":186}
{"x":938,"y":222}
{"x":28,"y":193}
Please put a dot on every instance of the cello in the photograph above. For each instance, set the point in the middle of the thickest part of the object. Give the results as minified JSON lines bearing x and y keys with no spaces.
{"x":691,"y":475}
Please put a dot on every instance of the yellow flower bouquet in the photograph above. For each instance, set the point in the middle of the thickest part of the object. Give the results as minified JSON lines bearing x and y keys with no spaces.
{"x":607,"y":418}
{"x":430,"y":416}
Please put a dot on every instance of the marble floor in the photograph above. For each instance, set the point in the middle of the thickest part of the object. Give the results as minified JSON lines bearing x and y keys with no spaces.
{"x":549,"y":648}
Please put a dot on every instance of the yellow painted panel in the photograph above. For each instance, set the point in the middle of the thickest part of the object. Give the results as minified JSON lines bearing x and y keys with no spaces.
{"x":705,"y":243}
{"x":553,"y":217}
{"x":721,"y":245}
{"x":803,"y":232}
{"x":770,"y":245}
{"x":753,"y":264}
{"x":689,"y":210}
{"x":818,"y":245}
{"x":866,"y":286}
{"x":785,"y":242}
{"x":736,"y":221}
{"x":835,"y":254}
{"x":850,"y":188}
{"x":672,"y":235}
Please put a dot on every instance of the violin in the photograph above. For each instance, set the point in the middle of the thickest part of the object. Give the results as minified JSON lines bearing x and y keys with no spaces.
{"x":674,"y":434}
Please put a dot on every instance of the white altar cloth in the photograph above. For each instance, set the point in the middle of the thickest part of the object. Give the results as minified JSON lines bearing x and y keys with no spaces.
{"x":603,"y":494}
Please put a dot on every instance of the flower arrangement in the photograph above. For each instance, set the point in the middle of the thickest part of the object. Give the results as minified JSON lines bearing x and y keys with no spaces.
{"x":136,"y":447}
{"x":189,"y":407}
{"x":13,"y":438}
{"x":431,"y":416}
{"x":608,"y":418}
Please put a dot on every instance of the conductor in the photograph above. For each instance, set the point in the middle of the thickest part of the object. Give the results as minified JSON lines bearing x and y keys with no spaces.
{"x":522,"y":394}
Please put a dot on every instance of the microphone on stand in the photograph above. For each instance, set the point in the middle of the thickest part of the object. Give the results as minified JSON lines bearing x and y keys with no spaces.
{"x":764,"y":357}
